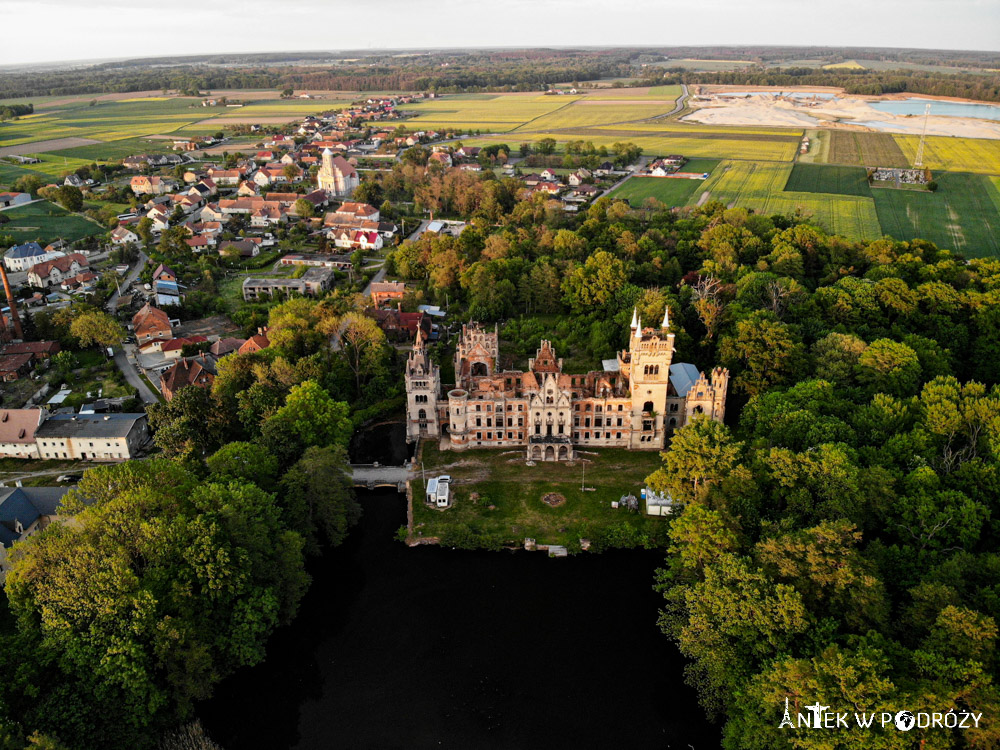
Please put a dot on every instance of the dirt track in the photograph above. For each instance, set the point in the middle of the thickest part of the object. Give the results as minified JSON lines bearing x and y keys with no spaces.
{"x":53,"y":144}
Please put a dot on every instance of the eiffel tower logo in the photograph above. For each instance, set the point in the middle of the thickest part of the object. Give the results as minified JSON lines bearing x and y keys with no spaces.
{"x":786,"y":720}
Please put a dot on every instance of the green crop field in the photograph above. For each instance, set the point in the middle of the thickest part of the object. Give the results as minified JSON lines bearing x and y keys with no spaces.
{"x":963,"y":215}
{"x":589,"y":113}
{"x":45,"y":222}
{"x":821,"y":178}
{"x":658,"y":93}
{"x":672,"y":192}
{"x":866,"y":150}
{"x":954,"y":154}
{"x":500,"y":114}
{"x":115,"y":150}
{"x":760,"y":186}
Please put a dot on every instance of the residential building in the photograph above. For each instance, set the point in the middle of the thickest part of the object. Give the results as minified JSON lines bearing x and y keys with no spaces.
{"x":24,"y":511}
{"x":123,"y":236}
{"x":54,"y":272}
{"x":39,"y":349}
{"x":23,"y":257}
{"x":92,"y":437}
{"x":151,"y":323}
{"x":320,"y":260}
{"x":14,"y":366}
{"x":196,"y":371}
{"x":17,"y":432}
{"x":386,"y":291}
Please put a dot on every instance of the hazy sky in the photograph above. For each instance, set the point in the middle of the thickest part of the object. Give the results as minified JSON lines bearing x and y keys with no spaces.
{"x":50,"y":30}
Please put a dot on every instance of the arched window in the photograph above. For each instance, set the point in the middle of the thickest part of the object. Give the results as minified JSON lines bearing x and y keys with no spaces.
{"x":648,"y":406}
{"x":421,"y":414}
{"x":479,"y":369}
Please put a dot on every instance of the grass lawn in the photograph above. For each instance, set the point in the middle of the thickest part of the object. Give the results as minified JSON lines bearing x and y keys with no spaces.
{"x":515,"y":492}
{"x":45,"y":222}
{"x":822,"y":178}
{"x":963,"y":215}
{"x":672,"y":192}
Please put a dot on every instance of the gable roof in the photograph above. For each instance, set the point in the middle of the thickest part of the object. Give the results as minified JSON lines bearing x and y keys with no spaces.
{"x":19,"y":425}
{"x":27,"y":250}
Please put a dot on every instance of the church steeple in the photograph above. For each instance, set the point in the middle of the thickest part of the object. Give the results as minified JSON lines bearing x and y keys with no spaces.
{"x":635,"y":318}
{"x":666,"y":318}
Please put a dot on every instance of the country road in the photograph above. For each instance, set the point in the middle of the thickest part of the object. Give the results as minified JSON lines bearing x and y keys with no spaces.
{"x":132,"y":376}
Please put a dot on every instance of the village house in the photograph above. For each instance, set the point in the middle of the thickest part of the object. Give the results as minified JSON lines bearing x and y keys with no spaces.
{"x":17,"y":432}
{"x":123,"y":236}
{"x":320,"y":260}
{"x":14,"y":366}
{"x":245,"y":248}
{"x":151,"y":323}
{"x":23,"y":512}
{"x":22,"y":257}
{"x":174,"y":348}
{"x":39,"y":349}
{"x":54,"y":272}
{"x":387,"y":291}
{"x":196,"y":371}
{"x":258,"y":342}
{"x":144,"y":185}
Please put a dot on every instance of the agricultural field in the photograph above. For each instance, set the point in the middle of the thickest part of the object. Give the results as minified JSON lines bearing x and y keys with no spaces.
{"x":963,"y":215}
{"x":658,"y":93}
{"x":499,"y":114}
{"x":672,"y":192}
{"x":866,"y":150}
{"x":588,"y":113}
{"x":954,"y":154}
{"x":760,"y":186}
{"x":819,"y":147}
{"x":821,"y":178}
{"x":45,"y":222}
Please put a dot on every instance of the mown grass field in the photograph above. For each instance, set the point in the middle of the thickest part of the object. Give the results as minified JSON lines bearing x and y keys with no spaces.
{"x":45,"y":222}
{"x":515,"y":493}
{"x":822,"y":178}
{"x":672,"y":192}
{"x":865,"y":150}
{"x":963,"y":215}
{"x":954,"y":154}
{"x":760,"y":186}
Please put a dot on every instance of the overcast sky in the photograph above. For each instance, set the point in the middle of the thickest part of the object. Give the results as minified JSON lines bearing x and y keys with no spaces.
{"x":52,"y":30}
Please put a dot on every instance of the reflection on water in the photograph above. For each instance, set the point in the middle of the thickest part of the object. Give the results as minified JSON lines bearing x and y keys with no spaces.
{"x":417,"y":648}
{"x":945,"y":109}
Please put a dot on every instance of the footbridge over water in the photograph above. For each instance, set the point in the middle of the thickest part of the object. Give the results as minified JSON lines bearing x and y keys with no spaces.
{"x":371,"y":476}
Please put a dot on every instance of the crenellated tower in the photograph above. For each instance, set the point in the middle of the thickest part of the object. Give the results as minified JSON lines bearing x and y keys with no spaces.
{"x":646,"y":363}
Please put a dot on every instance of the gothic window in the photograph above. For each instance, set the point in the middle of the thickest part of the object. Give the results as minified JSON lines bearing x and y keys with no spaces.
{"x":699,"y":410}
{"x":421,"y":414}
{"x":648,"y":406}
{"x":673,"y":421}
{"x":548,"y":399}
{"x":479,"y":369}
{"x":673,"y":407}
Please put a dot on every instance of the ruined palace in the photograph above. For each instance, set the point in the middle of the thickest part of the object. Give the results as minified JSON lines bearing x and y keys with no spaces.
{"x":635,"y":402}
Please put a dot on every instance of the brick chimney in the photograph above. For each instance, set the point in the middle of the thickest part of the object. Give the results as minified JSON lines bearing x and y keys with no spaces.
{"x":15,"y":318}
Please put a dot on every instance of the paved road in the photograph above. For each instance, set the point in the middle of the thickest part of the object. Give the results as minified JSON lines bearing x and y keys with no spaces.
{"x":132,"y":376}
{"x":375,"y":279}
{"x":128,"y":280}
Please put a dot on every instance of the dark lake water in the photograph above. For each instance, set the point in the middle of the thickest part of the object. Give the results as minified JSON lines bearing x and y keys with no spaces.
{"x":384,"y":443}
{"x":436,"y":648}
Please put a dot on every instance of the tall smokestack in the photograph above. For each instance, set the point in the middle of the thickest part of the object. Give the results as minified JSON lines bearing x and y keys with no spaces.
{"x":15,"y":318}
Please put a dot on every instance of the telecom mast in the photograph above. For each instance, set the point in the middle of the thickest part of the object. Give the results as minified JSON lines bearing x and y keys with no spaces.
{"x":919,"y":161}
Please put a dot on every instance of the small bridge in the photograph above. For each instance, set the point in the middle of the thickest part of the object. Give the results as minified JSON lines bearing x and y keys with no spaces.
{"x":371,"y":476}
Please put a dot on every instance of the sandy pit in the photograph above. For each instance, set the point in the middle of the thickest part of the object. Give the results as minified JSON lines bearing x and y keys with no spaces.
{"x":851,"y":113}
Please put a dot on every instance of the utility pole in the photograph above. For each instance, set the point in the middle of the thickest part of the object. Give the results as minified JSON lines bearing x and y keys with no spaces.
{"x":583,"y":478}
{"x":919,"y":161}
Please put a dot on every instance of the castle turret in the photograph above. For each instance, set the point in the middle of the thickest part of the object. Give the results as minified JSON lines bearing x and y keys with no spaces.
{"x":423,"y":388}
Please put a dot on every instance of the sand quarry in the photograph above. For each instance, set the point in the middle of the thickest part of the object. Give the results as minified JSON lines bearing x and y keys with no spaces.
{"x":851,"y":113}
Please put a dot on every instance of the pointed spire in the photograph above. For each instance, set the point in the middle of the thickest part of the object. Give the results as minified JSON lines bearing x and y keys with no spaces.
{"x":666,"y":318}
{"x":419,"y":343}
{"x":635,"y":318}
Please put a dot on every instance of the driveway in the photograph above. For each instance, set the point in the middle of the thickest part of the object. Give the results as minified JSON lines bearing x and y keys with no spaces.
{"x":132,"y":376}
{"x":128,"y":280}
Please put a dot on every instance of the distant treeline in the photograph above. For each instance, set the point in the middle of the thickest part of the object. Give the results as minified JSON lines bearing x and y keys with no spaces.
{"x":862,"y":82}
{"x":497,"y":70}
{"x":763,"y":54}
